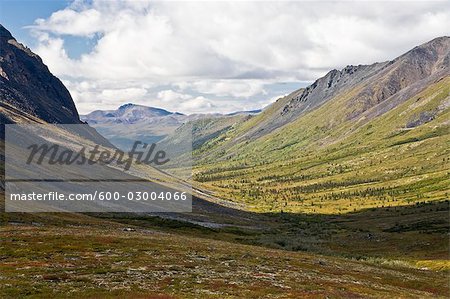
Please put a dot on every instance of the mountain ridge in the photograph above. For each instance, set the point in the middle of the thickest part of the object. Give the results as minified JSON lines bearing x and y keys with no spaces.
{"x":119,"y":113}
{"x":30,"y":93}
{"x":131,"y":122}
{"x":127,"y":113}
{"x":397,"y":110}
{"x":325,"y":88}
{"x":27,"y":84}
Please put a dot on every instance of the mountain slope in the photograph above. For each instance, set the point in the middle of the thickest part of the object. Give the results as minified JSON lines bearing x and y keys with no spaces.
{"x":384,"y":85}
{"x":29,"y":93}
{"x":372,"y":140}
{"x":128,"y":113}
{"x":129,"y":255}
{"x":27,"y":85}
{"x":131,"y":122}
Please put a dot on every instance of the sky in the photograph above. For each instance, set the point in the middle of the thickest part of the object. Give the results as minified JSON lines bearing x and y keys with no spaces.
{"x":209,"y":56}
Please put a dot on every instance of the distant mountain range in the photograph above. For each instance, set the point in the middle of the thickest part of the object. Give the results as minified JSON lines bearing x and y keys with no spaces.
{"x":132,"y":113}
{"x":131,"y":122}
{"x":128,"y":113}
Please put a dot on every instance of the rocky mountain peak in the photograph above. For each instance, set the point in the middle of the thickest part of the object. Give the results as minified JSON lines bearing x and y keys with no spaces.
{"x":27,"y":85}
{"x":327,"y":86}
{"x":4,"y":33}
{"x":436,"y":47}
{"x":369,"y":90}
{"x":128,"y":113}
{"x":429,"y":57}
{"x":126,"y":106}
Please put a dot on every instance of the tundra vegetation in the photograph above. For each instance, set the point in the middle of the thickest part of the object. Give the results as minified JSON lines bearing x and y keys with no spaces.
{"x":338,"y":190}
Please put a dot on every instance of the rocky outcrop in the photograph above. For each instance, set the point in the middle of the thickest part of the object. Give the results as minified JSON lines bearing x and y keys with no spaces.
{"x":130,"y":114}
{"x":27,"y":85}
{"x":29,"y":93}
{"x":369,"y":90}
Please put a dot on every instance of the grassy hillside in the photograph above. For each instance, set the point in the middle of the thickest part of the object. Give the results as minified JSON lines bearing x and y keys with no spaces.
{"x":73,"y":256}
{"x":339,"y":194}
{"x":324,"y":162}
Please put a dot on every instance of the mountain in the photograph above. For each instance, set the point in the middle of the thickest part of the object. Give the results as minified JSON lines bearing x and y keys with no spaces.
{"x":382,"y":85}
{"x":128,"y":113}
{"x":204,"y":128}
{"x":249,"y":112}
{"x":132,"y":113}
{"x":360,"y":137}
{"x":29,"y":93}
{"x":131,"y":122}
{"x":318,"y":172}
{"x":27,"y":88}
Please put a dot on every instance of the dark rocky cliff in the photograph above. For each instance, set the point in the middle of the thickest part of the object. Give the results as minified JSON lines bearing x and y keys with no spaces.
{"x":28,"y":89}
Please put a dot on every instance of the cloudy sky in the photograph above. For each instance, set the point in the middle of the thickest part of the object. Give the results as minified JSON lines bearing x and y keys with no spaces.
{"x":212,"y":56}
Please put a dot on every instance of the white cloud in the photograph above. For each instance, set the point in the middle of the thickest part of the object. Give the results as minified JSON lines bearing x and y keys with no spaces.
{"x":234,"y":88}
{"x":54,"y":54}
{"x":125,"y":93}
{"x":198,"y":105}
{"x":176,"y":101}
{"x":208,"y":51}
{"x":82,"y":23}
{"x":171,"y":96}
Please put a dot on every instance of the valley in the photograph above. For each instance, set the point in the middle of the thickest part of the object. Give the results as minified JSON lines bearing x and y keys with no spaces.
{"x":339,"y":190}
{"x":367,"y":254}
